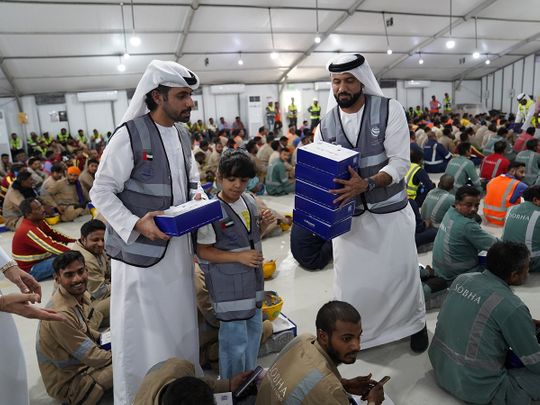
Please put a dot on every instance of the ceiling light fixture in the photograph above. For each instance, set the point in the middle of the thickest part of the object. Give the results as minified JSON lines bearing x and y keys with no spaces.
{"x":388,"y":49}
{"x":317,"y":38}
{"x":126,"y":53}
{"x":476,"y":54}
{"x":121,"y":67}
{"x":240,"y":61}
{"x":450,"y":44}
{"x":274,"y":55}
{"x":487,"y":62}
{"x":420,"y":60}
{"x":134,"y":40}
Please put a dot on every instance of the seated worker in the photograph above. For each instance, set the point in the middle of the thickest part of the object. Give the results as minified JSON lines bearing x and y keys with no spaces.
{"x":460,"y":238}
{"x":35,"y":244}
{"x":502,"y":135}
{"x":277,"y":181}
{"x":20,"y":189}
{"x":87,"y":177}
{"x":57,"y":172}
{"x":438,"y":201}
{"x":522,"y":224}
{"x":467,"y":136}
{"x":462,"y":169}
{"x":494,"y":164}
{"x":309,"y":250}
{"x":68,"y":196}
{"x":424,"y":233}
{"x":418,"y":182}
{"x":477,"y":325}
{"x":173,"y":382}
{"x":520,"y":142}
{"x":502,"y":192}
{"x":315,"y":359}
{"x":74,"y":368}
{"x":436,"y":156}
{"x":531,"y":158}
{"x":91,"y":246}
{"x":35,"y":169}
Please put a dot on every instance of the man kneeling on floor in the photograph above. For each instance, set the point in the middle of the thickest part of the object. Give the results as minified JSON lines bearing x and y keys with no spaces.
{"x":480,"y":321}
{"x":74,"y":368}
{"x":305,"y":372}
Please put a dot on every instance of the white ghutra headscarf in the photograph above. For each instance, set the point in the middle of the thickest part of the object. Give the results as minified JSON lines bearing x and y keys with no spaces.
{"x":166,"y":73}
{"x":357,"y":65}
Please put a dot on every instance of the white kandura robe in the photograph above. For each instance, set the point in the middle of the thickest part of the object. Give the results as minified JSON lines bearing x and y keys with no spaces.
{"x":153,"y":310}
{"x":376,"y":263}
{"x":13,"y":384}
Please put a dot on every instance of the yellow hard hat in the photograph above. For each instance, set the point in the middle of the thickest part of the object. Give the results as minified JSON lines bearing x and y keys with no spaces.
{"x":53,"y":220}
{"x":269,"y":267}
{"x":272,"y":305}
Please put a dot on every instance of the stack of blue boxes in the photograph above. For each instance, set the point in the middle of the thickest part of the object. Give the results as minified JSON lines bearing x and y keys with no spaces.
{"x":318,"y":164}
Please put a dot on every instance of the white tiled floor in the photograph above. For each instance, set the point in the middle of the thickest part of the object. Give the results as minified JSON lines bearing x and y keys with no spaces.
{"x":304,"y":292}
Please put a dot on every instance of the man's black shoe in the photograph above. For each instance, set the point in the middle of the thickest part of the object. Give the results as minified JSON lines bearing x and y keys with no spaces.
{"x":420,"y":341}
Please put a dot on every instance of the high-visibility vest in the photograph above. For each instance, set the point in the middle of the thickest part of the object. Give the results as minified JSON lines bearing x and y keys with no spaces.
{"x":15,"y":143}
{"x":315,"y":111}
{"x":447,"y":104}
{"x":411,"y":187}
{"x":497,"y":201}
{"x":62,"y":138}
{"x":524,"y":109}
{"x":292,"y":111}
{"x":434,"y":106}
{"x":418,"y":112}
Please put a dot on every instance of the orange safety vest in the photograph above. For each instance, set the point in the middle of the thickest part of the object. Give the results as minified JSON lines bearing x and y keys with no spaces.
{"x":497,"y":200}
{"x":434,"y":106}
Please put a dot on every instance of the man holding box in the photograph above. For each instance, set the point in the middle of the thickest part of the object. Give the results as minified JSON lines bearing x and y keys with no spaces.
{"x":376,"y":264}
{"x":147,"y":167}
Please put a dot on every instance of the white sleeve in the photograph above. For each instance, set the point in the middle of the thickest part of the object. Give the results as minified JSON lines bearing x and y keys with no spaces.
{"x":206,"y":235}
{"x":114,"y":170}
{"x":194,"y":177}
{"x":317,"y":137}
{"x":4,"y":257}
{"x":396,"y":143}
{"x":528,"y":118}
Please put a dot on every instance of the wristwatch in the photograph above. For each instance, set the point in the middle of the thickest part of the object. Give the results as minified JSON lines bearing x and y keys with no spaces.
{"x":370,"y":184}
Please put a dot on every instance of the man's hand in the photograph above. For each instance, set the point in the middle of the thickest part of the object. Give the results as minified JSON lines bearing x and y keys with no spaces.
{"x":147,"y":226}
{"x":238,"y":379}
{"x":267,"y":217}
{"x":24,"y":281}
{"x":61,"y":209}
{"x":20,"y":304}
{"x":250,"y":258}
{"x":353,"y":187}
{"x":359,"y":385}
{"x":376,"y":395}
{"x":197,"y":196}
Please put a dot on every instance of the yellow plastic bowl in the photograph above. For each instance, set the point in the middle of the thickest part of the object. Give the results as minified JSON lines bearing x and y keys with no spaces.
{"x":272,"y":305}
{"x":53,"y":220}
{"x":285,"y":226}
{"x":269,"y":267}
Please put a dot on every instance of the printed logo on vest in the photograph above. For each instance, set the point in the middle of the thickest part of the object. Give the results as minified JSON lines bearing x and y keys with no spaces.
{"x":375,"y":131}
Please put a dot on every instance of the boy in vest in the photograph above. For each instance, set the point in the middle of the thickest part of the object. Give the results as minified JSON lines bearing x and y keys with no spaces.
{"x":231,"y":258}
{"x":522,"y":225}
{"x":418,"y":182}
{"x":306,"y":372}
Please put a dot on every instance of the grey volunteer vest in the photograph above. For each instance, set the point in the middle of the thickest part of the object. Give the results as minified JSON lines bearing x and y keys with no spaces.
{"x":370,"y":145}
{"x":236,"y":290}
{"x":149,"y":188}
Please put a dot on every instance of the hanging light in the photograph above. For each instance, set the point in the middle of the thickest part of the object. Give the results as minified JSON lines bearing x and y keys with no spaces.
{"x":126,"y":53}
{"x":134,"y":40}
{"x":450,"y":44}
{"x":420,"y":60}
{"x":274,"y":55}
{"x":121,"y":67}
{"x":317,"y":38}
{"x":487,"y":62}
{"x":475,"y":54}
{"x":388,"y":49}
{"x":240,"y":61}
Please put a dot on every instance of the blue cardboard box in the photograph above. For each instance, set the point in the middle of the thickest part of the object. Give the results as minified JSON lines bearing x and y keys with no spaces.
{"x":323,"y":229}
{"x":323,"y":213}
{"x":284,"y":330}
{"x":105,"y":340}
{"x":189,"y":216}
{"x":318,"y":177}
{"x":333,"y":159}
{"x":320,"y":195}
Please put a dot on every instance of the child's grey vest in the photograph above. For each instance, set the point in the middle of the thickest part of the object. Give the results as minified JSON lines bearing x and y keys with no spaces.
{"x":149,"y":188}
{"x":236,"y":290}
{"x":373,"y":158}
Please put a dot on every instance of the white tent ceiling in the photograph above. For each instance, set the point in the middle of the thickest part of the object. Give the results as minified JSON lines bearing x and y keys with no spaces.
{"x":64,"y":45}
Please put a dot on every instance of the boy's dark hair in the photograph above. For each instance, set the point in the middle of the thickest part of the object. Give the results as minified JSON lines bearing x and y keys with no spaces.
{"x":49,"y":153}
{"x":26,"y":206}
{"x":251,"y":146}
{"x":90,"y":161}
{"x":270,"y":137}
{"x":416,"y":156}
{"x":466,"y":191}
{"x":531,"y":192}
{"x":274,"y":145}
{"x":505,"y":257}
{"x":65,"y":259}
{"x":334,"y":311}
{"x":463,"y":148}
{"x":236,"y":163}
{"x":57,"y":168}
{"x":516,"y":165}
{"x":150,"y":103}
{"x":502,"y":131}
{"x":530,"y":130}
{"x":32,"y":160}
{"x":92,"y":226}
{"x":532,"y":144}
{"x":187,"y":391}
{"x":499,"y":147}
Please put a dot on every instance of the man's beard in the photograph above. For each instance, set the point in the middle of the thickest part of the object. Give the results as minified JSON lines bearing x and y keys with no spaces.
{"x":348,"y":102}
{"x":335,"y":356}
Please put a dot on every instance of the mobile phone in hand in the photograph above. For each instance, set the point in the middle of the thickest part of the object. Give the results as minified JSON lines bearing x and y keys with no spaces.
{"x":248,"y":382}
{"x":384,"y":380}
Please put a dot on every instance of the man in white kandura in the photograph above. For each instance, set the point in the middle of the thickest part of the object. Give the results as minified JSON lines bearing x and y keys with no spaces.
{"x":147,"y":167}
{"x":376,"y":264}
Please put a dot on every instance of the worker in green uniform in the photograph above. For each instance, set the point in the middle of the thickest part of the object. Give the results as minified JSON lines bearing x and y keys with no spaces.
{"x":531,"y":158}
{"x":460,"y":237}
{"x":479,"y":322}
{"x":462,"y":169}
{"x":438,"y":201}
{"x":522,"y":224}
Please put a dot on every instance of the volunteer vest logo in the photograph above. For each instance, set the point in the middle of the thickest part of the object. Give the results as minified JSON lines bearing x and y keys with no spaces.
{"x":519,"y":217}
{"x":278,"y":385}
{"x":470,"y":295}
{"x":375,"y":132}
